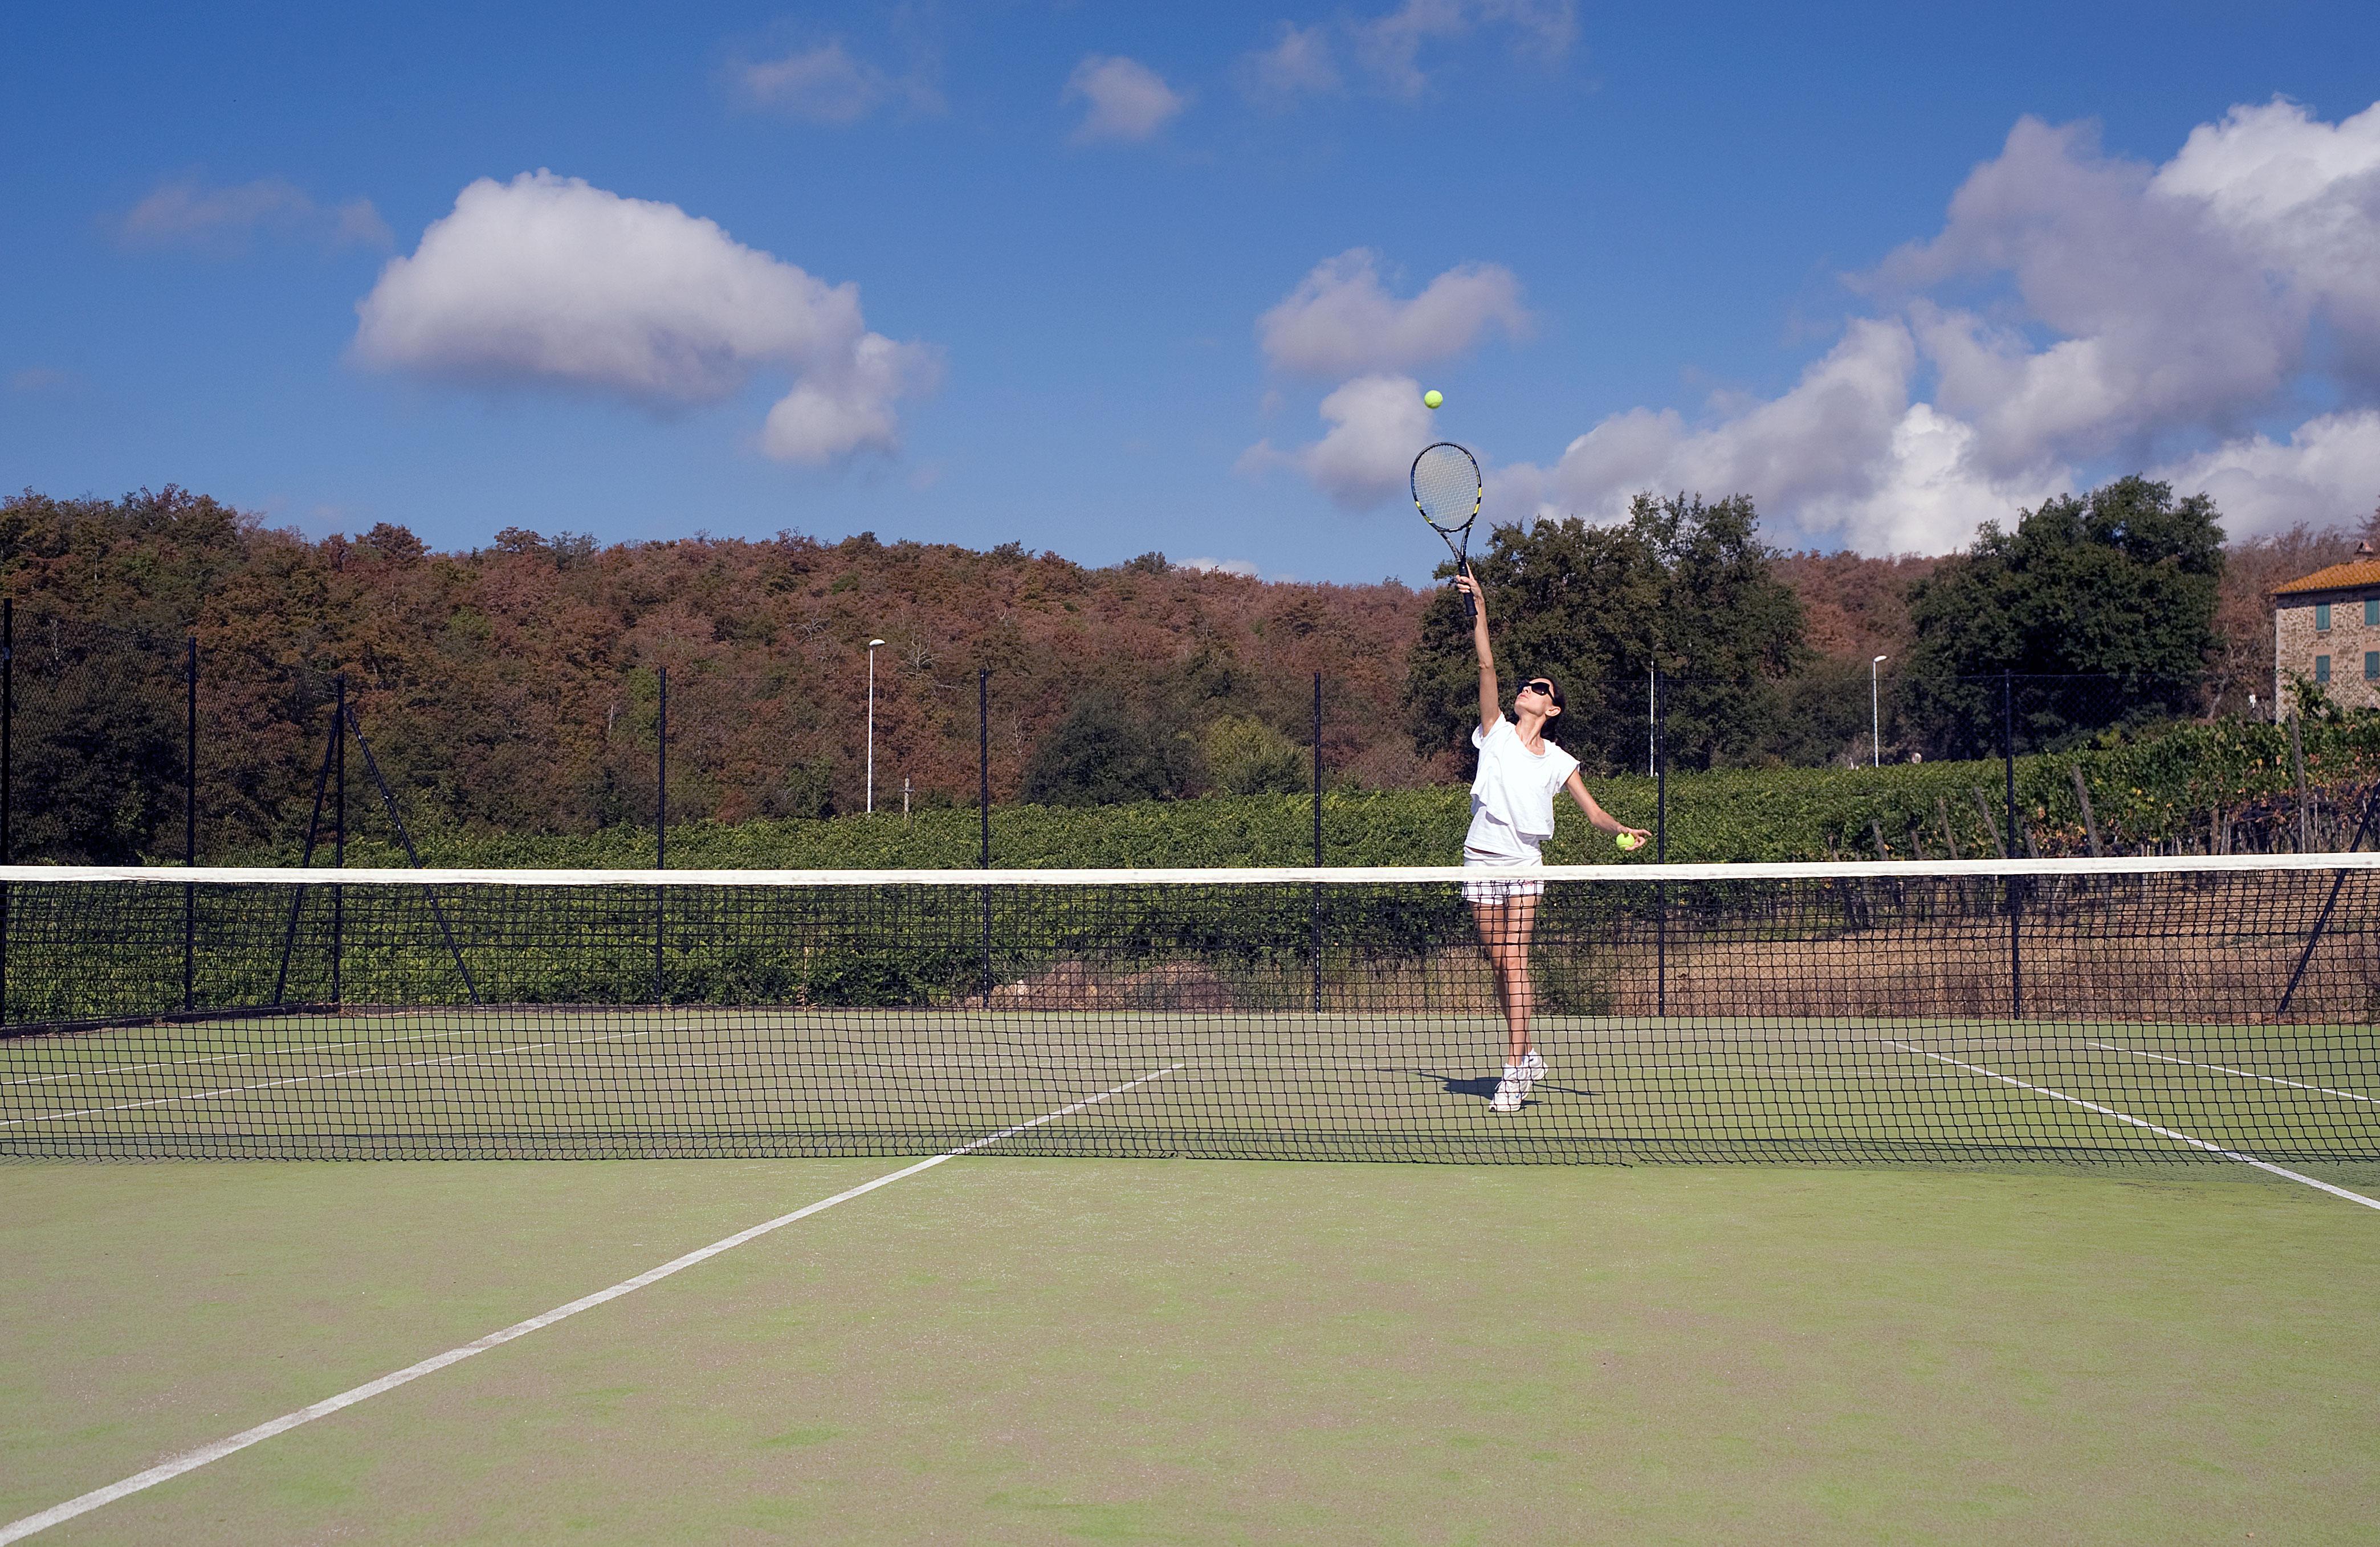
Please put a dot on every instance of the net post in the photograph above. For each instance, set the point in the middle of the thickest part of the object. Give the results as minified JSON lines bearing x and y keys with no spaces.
{"x":661,"y":836}
{"x":2015,"y":884}
{"x":2338,"y":883}
{"x":983,"y":809}
{"x":1660,"y":840}
{"x":412,"y":855}
{"x":305,"y":858}
{"x":189,"y":820}
{"x":1314,"y":898}
{"x":338,"y":838}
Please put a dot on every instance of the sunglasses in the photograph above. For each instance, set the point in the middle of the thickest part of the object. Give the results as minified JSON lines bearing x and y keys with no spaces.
{"x":1539,"y":685}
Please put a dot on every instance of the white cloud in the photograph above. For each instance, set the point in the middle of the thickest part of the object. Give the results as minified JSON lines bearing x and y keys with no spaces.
{"x":1390,"y":46}
{"x":2079,"y":316}
{"x":189,"y":213}
{"x":1300,"y":62}
{"x":1128,"y":99}
{"x":1219,"y":566}
{"x":548,"y":281}
{"x":1376,"y":425}
{"x":1845,"y":454}
{"x":826,"y":85}
{"x":2156,"y":318}
{"x":2302,"y":197}
{"x":2327,"y":474}
{"x":1341,"y":321}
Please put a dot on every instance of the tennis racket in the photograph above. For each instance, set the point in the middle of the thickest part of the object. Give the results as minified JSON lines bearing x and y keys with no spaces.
{"x":1446,"y":492}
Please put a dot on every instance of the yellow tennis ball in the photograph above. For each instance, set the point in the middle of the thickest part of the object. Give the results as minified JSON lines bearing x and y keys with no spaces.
{"x":1627,"y":840}
{"x":1432,"y":398}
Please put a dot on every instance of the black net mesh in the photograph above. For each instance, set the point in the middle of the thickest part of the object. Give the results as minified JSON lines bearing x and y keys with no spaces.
{"x":2142,"y":1009}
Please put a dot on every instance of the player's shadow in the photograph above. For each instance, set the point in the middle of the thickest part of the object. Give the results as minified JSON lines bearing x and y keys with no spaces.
{"x":1482,"y":1088}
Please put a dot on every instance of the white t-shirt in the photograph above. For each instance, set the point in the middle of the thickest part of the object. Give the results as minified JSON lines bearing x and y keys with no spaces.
{"x":1512,"y":797}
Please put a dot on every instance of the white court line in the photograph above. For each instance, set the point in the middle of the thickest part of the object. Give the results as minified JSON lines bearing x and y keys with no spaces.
{"x":308,"y":1079}
{"x":164,"y":1471}
{"x":2143,"y":1122}
{"x":2225,"y":1069}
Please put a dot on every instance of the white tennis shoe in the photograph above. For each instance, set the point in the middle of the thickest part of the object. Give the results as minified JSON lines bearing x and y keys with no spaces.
{"x":1511,"y":1091}
{"x":1533,"y":1068}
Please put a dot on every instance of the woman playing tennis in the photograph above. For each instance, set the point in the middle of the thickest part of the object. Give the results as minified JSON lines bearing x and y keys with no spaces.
{"x":1511,"y":813}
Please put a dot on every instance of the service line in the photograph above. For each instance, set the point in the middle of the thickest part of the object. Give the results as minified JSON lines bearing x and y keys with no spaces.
{"x":2207,"y":1146}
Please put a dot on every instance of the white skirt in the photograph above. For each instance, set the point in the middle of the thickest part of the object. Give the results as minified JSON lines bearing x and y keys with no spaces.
{"x":1497,"y":892}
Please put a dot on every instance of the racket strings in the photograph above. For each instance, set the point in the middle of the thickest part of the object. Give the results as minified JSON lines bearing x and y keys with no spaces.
{"x":1446,"y":487}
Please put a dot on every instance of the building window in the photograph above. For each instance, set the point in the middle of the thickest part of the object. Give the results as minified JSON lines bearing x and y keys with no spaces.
{"x":2372,"y":666}
{"x":2371,"y":611}
{"x":2322,"y":617}
{"x":2322,"y":669}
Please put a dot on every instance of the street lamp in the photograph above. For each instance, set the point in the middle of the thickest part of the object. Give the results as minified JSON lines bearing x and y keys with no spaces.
{"x":1874,"y":716}
{"x":871,"y":723}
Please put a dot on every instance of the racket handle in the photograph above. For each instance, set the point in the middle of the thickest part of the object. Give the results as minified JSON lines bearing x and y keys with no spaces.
{"x":1470,"y":608}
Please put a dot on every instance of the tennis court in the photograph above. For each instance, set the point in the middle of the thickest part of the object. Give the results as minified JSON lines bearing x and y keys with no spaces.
{"x":614,"y":1081}
{"x":1069,"y":1249}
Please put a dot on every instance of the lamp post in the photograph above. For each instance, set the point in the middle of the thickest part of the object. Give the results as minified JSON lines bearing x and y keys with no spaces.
{"x":871,"y":723}
{"x":1874,"y":716}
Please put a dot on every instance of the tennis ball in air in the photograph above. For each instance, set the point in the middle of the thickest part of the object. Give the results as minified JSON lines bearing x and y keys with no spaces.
{"x":1432,"y":398}
{"x":1627,"y":840}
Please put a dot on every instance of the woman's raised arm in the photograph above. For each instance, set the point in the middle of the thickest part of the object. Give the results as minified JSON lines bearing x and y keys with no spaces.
{"x":1491,"y":706}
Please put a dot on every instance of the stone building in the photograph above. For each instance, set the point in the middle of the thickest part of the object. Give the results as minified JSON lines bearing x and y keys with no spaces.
{"x":2326,"y":628}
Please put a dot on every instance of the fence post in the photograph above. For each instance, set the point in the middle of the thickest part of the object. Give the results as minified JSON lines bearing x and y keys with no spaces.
{"x":661,"y":836}
{"x":2015,"y":883}
{"x":1314,"y":900}
{"x":7,"y":775}
{"x":2297,"y":763}
{"x":1660,"y":840}
{"x":338,"y":838}
{"x":189,"y":820}
{"x":983,"y":810}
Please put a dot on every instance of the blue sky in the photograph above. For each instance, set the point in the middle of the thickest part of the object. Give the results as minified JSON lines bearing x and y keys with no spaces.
{"x":1105,"y":278}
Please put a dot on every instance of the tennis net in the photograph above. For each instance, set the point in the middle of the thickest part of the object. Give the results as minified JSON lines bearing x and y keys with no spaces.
{"x":1975,"y":1009}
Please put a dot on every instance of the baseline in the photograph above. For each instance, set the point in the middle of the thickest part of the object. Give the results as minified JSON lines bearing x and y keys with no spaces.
{"x":166,"y":1472}
{"x":2208,"y":1146}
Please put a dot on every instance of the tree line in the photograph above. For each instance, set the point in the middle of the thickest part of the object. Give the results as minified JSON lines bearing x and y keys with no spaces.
{"x":517,"y":688}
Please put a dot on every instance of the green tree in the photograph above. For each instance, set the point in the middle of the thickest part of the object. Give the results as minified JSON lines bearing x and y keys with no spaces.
{"x":1245,"y":757}
{"x":1682,"y":583}
{"x":1103,"y":754}
{"x":2119,"y":586}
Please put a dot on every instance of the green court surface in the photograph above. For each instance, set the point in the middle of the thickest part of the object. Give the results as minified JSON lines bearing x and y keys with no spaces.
{"x":596,"y":1082}
{"x":1029,"y":1349}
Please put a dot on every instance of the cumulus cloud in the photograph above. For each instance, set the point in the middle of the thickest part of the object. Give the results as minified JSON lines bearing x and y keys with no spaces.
{"x":1301,"y":62}
{"x":1219,"y":566}
{"x":547,"y":281}
{"x":1127,"y":99}
{"x":2326,"y":474}
{"x":1340,"y":321}
{"x":190,"y":214}
{"x":2078,"y":316}
{"x":1377,"y":424}
{"x":825,"y":84}
{"x":1390,"y":46}
{"x":1846,"y":452}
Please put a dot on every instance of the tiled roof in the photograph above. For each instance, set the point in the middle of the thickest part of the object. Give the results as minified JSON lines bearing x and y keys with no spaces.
{"x":2338,"y":577}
